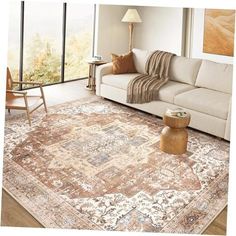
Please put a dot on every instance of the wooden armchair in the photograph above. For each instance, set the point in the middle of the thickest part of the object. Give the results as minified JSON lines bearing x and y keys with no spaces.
{"x":19,"y":100}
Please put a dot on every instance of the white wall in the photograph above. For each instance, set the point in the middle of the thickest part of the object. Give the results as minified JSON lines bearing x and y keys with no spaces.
{"x":112,"y":34}
{"x":162,"y":29}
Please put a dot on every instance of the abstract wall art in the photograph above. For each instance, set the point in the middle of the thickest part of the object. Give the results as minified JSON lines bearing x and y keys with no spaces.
{"x":219,"y":28}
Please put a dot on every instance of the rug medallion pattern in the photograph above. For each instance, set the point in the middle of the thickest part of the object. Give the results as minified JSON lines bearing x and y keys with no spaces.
{"x":94,"y":164}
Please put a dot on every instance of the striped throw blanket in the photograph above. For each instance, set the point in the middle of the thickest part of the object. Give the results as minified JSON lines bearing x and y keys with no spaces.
{"x":144,"y":88}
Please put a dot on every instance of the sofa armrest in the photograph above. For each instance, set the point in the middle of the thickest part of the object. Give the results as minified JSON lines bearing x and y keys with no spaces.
{"x":228,"y":124}
{"x":101,"y":71}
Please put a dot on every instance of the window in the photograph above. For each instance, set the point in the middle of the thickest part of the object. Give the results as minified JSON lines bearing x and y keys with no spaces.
{"x":42,"y":42}
{"x":14,"y":39}
{"x":57,"y":38}
{"x":79,"y":40}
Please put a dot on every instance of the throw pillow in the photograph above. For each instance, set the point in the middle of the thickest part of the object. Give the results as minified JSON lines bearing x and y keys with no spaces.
{"x":123,"y":64}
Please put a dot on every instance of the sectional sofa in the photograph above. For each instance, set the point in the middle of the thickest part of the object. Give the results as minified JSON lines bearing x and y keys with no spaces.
{"x":201,"y":87}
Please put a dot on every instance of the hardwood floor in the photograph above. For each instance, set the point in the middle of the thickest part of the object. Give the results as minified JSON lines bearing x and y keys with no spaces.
{"x":13,"y":214}
{"x":218,"y":226}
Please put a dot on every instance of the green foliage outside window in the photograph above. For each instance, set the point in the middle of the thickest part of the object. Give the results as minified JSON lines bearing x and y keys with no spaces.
{"x":43,"y":62}
{"x":78,"y":49}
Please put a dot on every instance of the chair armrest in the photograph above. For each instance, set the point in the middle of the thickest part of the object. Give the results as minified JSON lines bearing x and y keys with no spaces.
{"x":100,"y":72}
{"x":32,"y":83}
{"x":17,"y":92}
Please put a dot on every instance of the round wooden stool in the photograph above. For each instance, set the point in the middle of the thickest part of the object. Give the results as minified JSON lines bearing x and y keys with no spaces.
{"x":174,"y":137}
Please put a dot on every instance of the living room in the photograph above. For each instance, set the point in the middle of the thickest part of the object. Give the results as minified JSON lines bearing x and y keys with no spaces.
{"x":118,"y":117}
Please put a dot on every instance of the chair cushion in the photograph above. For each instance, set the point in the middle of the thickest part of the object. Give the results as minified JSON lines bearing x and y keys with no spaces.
{"x":169,"y":90}
{"x":216,"y":76}
{"x":118,"y":81}
{"x":184,"y":69}
{"x":206,"y":101}
{"x":140,"y":57}
{"x":18,"y":102}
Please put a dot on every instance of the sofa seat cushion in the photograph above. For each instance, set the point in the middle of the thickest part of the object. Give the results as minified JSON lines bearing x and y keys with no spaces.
{"x":169,"y":90}
{"x":118,"y":81}
{"x":206,"y":101}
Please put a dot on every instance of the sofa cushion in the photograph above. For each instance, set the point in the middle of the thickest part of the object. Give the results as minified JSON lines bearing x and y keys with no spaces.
{"x":140,"y":57}
{"x":169,"y":90}
{"x":184,"y":69}
{"x":118,"y":81}
{"x":216,"y":76}
{"x":206,"y":101}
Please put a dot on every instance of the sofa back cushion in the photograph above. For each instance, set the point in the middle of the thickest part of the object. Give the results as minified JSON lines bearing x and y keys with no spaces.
{"x":184,"y":69}
{"x":215,"y":76}
{"x":140,"y":57}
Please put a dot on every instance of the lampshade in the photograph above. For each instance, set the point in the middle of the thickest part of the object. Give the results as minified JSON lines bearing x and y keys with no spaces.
{"x":131,"y":16}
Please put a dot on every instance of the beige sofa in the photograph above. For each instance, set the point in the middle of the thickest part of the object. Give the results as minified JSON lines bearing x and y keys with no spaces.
{"x":201,"y":87}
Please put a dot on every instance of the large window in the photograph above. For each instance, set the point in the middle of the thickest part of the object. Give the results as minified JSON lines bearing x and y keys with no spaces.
{"x":42,"y":42}
{"x":79,"y":38}
{"x":49,"y":42}
{"x":14,"y":39}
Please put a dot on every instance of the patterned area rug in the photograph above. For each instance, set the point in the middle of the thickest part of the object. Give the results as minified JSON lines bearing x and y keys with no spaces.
{"x":94,"y":164}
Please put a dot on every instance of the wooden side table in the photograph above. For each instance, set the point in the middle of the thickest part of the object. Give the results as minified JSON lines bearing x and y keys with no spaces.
{"x":92,"y":70}
{"x":174,"y":137}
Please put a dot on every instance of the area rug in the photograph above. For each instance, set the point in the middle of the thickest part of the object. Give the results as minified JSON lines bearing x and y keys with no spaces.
{"x":95,"y":164}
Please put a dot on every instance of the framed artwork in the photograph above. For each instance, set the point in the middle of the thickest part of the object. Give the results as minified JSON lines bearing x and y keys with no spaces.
{"x":212,"y":35}
{"x":219,"y":32}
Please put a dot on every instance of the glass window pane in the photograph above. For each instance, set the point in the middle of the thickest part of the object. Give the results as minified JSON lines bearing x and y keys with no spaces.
{"x":14,"y":39}
{"x":42,"y":42}
{"x":79,"y":40}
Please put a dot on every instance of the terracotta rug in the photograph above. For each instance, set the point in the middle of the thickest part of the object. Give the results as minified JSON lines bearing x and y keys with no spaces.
{"x":94,"y":164}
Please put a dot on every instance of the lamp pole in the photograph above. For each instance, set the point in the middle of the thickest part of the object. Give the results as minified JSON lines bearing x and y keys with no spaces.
{"x":131,"y":30}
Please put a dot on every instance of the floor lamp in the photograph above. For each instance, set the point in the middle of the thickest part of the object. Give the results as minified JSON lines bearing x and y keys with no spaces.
{"x":131,"y":16}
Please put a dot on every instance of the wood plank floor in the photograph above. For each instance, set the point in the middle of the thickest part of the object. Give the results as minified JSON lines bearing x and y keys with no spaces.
{"x":13,"y":214}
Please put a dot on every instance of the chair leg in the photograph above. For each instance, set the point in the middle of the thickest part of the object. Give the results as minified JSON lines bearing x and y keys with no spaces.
{"x":43,"y":97}
{"x":27,"y":109}
{"x":45,"y":106}
{"x":28,"y":116}
{"x":9,"y":111}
